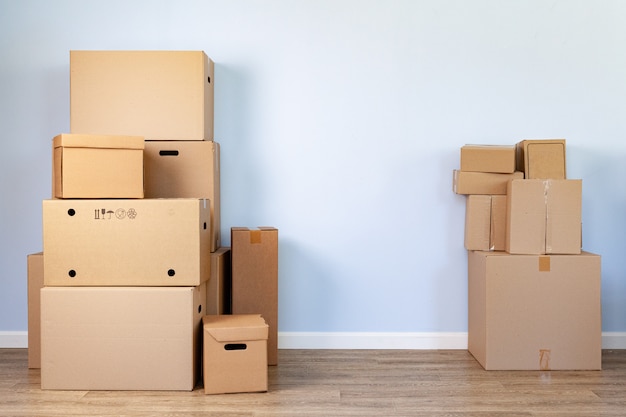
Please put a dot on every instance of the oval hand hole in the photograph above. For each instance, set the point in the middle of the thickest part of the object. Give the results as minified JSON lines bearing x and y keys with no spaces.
{"x":235,"y":346}
{"x":168,"y":153}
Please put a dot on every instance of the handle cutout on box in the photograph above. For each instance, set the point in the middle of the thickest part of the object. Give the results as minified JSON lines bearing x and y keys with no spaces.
{"x":168,"y":153}
{"x":235,"y":346}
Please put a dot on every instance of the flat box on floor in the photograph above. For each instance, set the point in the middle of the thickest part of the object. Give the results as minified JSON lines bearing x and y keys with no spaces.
{"x":482,"y":182}
{"x":145,"y":242}
{"x":534,"y":312}
{"x":34,"y":263}
{"x":544,"y":217}
{"x":254,"y":260}
{"x":219,"y":285}
{"x":541,"y":158}
{"x":485,"y":222}
{"x":488,"y":158}
{"x":97,"y":166}
{"x":121,"y":338}
{"x":160,"y":95}
{"x":185,"y":169}
{"x":234,"y":354}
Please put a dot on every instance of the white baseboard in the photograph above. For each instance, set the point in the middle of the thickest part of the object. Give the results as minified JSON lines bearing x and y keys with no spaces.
{"x":355,"y":340}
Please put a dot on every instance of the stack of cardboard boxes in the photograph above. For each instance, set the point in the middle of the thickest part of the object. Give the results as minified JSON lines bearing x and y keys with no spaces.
{"x":534,"y":295}
{"x":133,"y":258}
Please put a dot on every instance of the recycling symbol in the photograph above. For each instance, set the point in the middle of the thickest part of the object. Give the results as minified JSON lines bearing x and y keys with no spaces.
{"x":131,"y":213}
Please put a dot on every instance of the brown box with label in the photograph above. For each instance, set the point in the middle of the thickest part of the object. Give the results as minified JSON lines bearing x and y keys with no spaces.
{"x":160,"y":95}
{"x":219,"y":285}
{"x":34,"y":263}
{"x":121,"y":338}
{"x":144,"y":242}
{"x":485,"y":222}
{"x":97,"y":166}
{"x":488,"y":158}
{"x":541,"y":158}
{"x":482,"y":182}
{"x":254,"y":257}
{"x":234,"y":354}
{"x":535,"y":312}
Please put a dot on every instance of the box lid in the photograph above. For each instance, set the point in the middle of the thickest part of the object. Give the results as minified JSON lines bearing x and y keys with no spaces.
{"x":75,"y":140}
{"x":236,"y":327}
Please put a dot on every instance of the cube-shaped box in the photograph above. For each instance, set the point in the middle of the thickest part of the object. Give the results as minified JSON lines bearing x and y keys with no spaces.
{"x":160,"y":95}
{"x":185,"y":169}
{"x":535,"y":312}
{"x":488,"y":158}
{"x":97,"y":166}
{"x":34,"y":265}
{"x":544,"y":217}
{"x":234,"y":354}
{"x":254,"y":263}
{"x":541,"y":158}
{"x":121,"y":338}
{"x":145,"y":242}
{"x":485,"y":222}
{"x":482,"y":182}
{"x":219,"y":285}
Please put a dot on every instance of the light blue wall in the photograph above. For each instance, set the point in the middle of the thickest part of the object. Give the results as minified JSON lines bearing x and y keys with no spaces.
{"x":340,"y":123}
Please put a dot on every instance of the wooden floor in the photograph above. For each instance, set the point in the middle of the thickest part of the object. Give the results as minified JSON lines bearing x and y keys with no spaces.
{"x":346,"y":383}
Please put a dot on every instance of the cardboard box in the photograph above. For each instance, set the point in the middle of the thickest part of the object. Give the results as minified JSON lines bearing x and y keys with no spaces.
{"x":544,"y":217}
{"x":97,"y":166}
{"x":146,"y":242}
{"x":121,"y":338}
{"x":219,"y":285}
{"x":485,"y":222}
{"x":482,"y":182}
{"x":160,"y":95}
{"x":254,"y":258}
{"x":234,"y":354}
{"x":185,"y":169}
{"x":488,"y":158}
{"x":542,"y":158}
{"x":532,"y":312}
{"x":34,"y":264}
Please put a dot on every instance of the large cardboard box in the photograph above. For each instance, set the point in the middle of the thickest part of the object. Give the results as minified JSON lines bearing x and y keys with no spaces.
{"x":544,"y":217}
{"x":97,"y":166}
{"x":121,"y":338}
{"x":485,"y":222}
{"x":541,"y":158}
{"x":160,"y":95}
{"x":145,"y":242}
{"x":482,"y":182}
{"x":234,"y":354}
{"x":254,"y":258}
{"x":534,"y":312}
{"x":488,"y":158}
{"x":34,"y":265}
{"x":185,"y":169}
{"x":219,"y":285}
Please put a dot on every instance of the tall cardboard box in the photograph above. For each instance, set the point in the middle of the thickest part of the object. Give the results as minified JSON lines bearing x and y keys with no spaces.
{"x":544,"y":217}
{"x":121,"y":338}
{"x":482,"y":182}
{"x":488,"y":158}
{"x":144,"y":242}
{"x":160,"y":95}
{"x":535,"y":312}
{"x":185,"y":169}
{"x":254,"y":257}
{"x":234,"y":354}
{"x":485,"y":222}
{"x":97,"y":166}
{"x":219,"y":285}
{"x":34,"y":263}
{"x":541,"y":158}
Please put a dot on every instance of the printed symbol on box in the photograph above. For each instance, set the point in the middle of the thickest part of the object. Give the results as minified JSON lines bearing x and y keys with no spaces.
{"x":131,"y":213}
{"x":120,"y":213}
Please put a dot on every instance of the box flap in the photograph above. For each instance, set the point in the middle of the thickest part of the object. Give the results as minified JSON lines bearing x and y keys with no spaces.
{"x":73,"y":140}
{"x":236,"y":327}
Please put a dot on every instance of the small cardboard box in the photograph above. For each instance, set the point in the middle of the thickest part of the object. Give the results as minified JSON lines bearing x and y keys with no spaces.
{"x":34,"y":263}
{"x":160,"y":95}
{"x":254,"y":259}
{"x":219,"y":285}
{"x":534,"y":312}
{"x":544,"y":217}
{"x":488,"y":158}
{"x":482,"y":182}
{"x":97,"y":166}
{"x":185,"y":169}
{"x":234,"y":354}
{"x":541,"y":158}
{"x":485,"y":222}
{"x":121,"y":338}
{"x":145,"y":242}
